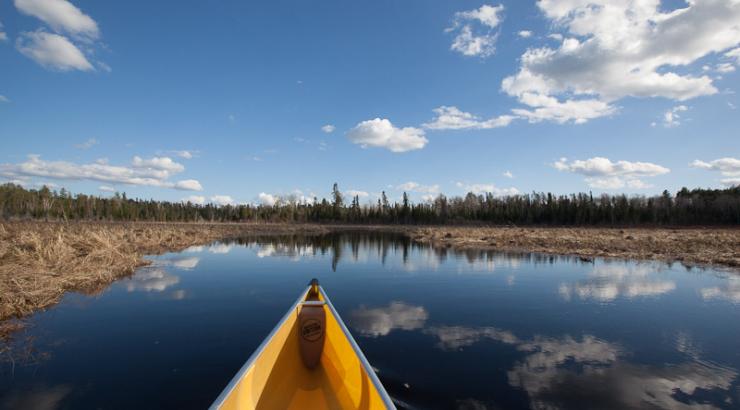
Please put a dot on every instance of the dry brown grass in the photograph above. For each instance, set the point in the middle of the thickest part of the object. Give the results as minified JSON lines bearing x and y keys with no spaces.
{"x":715,"y":247}
{"x":40,"y":261}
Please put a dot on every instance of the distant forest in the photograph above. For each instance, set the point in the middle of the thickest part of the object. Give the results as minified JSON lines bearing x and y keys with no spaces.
{"x":686,"y":207}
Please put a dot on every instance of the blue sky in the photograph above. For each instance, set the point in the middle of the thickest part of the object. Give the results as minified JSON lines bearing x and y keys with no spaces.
{"x":561,"y":96}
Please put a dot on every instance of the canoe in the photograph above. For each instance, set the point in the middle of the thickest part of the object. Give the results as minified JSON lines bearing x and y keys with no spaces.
{"x":276,"y":376}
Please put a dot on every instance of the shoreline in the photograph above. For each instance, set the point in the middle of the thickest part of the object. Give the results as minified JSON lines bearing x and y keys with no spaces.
{"x":41,"y":261}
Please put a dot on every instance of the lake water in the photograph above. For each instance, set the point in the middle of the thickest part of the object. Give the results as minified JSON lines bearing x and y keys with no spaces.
{"x":444,"y":329}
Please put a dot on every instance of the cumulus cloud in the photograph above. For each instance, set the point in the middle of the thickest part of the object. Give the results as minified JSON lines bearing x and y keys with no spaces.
{"x":52,"y":51}
{"x":727,"y":167}
{"x":376,"y":322}
{"x":3,"y":36}
{"x":155,"y":172}
{"x":328,"y":128}
{"x":222,"y":200}
{"x":602,"y":173}
{"x":508,"y":174}
{"x":61,"y":15}
{"x":473,"y":30}
{"x":672,"y":117}
{"x":479,"y":189}
{"x":616,"y":49}
{"x":525,"y":34}
{"x":91,"y":142}
{"x":452,"y":118}
{"x":195,"y":199}
{"x":381,"y":133}
{"x":267,"y":199}
{"x":412,"y":186}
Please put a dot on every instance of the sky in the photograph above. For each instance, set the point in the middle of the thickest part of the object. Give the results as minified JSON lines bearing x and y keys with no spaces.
{"x":248,"y":102}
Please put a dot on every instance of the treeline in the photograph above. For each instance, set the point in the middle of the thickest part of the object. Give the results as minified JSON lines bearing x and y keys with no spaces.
{"x":686,"y":207}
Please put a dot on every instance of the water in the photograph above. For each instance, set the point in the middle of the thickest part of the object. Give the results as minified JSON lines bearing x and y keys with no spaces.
{"x":444,"y":329}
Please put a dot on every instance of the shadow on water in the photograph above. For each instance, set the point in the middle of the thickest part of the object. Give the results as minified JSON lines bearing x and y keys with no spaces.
{"x":445,"y":328}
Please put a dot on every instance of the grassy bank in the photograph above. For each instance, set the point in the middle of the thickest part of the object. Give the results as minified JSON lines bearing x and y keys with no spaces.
{"x":40,"y":261}
{"x":714,"y":247}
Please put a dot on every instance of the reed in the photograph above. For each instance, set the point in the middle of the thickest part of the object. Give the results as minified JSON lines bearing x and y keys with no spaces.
{"x":40,"y":261}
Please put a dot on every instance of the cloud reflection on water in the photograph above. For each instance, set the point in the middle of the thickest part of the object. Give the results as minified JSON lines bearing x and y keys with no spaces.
{"x":730,"y":291}
{"x":376,"y":322}
{"x":567,"y":372}
{"x":152,"y":279}
{"x":607,"y":282}
{"x":40,"y":398}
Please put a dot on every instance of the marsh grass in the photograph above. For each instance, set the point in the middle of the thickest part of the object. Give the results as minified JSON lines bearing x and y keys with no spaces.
{"x":40,"y":261}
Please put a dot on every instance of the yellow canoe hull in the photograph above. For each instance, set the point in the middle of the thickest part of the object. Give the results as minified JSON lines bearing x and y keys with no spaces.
{"x":275,"y":377}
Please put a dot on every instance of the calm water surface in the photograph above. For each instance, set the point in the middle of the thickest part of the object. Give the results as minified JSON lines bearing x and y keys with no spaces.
{"x":444,"y":329}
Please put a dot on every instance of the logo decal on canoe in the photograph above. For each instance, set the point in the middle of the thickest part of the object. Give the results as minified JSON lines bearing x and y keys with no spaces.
{"x":311,"y":330}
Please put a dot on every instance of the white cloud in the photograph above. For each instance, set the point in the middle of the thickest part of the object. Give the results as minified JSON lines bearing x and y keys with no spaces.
{"x":479,"y":189}
{"x":267,"y":199}
{"x":328,"y":128}
{"x":158,"y":163}
{"x":87,"y":144}
{"x":354,"y":193}
{"x":61,"y":15}
{"x":727,"y":167}
{"x":616,"y":49}
{"x":3,"y":36}
{"x":184,"y":154}
{"x":602,"y":173}
{"x":145,"y":172}
{"x":222,"y":200}
{"x":412,"y":186}
{"x":473,"y":28}
{"x":672,"y":117}
{"x":4,"y":99}
{"x":525,"y":34}
{"x":381,"y":133}
{"x":188,"y":185}
{"x":452,"y":118}
{"x":106,"y":188}
{"x":195,"y":199}
{"x":52,"y":51}
{"x":508,"y":174}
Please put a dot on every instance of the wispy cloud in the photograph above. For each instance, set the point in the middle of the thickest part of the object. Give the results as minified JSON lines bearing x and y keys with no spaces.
{"x":155,"y":171}
{"x":52,"y":51}
{"x":60,"y":15}
{"x":479,"y":189}
{"x":91,"y":142}
{"x":452,"y":118}
{"x":412,"y":186}
{"x":328,"y":128}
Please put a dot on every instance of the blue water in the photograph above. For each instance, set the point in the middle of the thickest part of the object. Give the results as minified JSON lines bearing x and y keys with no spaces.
{"x":444,"y":329}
